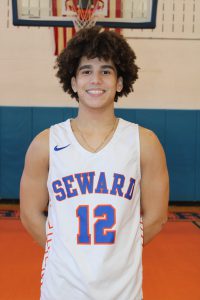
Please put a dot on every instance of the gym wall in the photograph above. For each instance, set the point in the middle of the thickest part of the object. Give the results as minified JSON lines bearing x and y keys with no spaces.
{"x":165,"y":99}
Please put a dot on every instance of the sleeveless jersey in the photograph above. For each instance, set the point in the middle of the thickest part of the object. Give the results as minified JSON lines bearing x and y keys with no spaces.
{"x":94,"y":228}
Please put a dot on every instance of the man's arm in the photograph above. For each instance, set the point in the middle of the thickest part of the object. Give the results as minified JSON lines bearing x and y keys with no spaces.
{"x":154,"y":184}
{"x":33,"y":188}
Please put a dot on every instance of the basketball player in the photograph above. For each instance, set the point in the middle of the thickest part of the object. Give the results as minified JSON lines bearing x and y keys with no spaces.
{"x":104,"y":179}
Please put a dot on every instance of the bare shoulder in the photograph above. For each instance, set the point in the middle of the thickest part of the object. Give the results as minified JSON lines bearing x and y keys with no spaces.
{"x":42,"y":139}
{"x":148,"y":139}
{"x":38,"y":151}
{"x":150,"y":147}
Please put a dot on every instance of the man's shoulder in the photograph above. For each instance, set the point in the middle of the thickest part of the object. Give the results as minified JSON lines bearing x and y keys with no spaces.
{"x":127,"y":123}
{"x":39,"y":147}
{"x":150,"y":146}
{"x":42,"y":138}
{"x":147,"y":136}
{"x":61,"y":124}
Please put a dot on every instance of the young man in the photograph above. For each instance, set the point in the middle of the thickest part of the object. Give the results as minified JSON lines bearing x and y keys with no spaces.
{"x":104,"y":179}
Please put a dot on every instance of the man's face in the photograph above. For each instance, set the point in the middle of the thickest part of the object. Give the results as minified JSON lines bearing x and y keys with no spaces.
{"x":96,"y":82}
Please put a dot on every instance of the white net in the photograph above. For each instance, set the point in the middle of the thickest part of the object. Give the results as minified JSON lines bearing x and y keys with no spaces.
{"x":86,"y":12}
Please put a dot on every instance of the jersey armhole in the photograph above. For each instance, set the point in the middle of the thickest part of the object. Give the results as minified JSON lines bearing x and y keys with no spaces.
{"x":138,"y":151}
{"x":50,"y":154}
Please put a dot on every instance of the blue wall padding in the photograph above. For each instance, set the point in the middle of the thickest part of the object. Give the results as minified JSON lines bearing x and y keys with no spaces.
{"x":181,"y":136}
{"x":178,"y":131}
{"x":197,"y":155}
{"x":15,"y":135}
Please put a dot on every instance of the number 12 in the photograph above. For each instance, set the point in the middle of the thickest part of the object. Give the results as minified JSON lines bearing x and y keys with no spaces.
{"x":106,"y":219}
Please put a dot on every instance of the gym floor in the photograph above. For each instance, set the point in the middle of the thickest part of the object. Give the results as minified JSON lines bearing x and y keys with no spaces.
{"x":171,"y":261}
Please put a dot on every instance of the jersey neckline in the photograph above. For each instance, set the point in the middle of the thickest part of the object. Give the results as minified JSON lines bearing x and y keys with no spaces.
{"x":83,"y":149}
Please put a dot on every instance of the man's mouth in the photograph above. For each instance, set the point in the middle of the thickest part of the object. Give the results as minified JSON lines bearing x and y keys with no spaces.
{"x":95,"y":92}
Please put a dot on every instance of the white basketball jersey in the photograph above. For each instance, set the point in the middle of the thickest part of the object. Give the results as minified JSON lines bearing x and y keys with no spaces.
{"x":94,"y":228}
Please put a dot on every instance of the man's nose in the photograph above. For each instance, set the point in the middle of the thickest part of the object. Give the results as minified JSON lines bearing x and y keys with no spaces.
{"x":96,"y":78}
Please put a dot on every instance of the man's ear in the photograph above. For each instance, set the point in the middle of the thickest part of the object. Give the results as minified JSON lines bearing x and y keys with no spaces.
{"x":73,"y":84}
{"x":119,"y":84}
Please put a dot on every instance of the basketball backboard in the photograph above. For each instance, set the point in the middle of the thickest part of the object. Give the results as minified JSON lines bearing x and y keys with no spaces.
{"x":114,"y":14}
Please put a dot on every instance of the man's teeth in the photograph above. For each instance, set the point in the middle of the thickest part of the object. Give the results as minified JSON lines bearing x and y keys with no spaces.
{"x":95,"y":92}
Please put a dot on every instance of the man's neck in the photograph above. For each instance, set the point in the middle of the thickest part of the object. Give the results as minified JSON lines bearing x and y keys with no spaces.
{"x":95,"y":119}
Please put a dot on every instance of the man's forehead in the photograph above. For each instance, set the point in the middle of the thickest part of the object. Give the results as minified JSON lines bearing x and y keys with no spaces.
{"x":100,"y":62}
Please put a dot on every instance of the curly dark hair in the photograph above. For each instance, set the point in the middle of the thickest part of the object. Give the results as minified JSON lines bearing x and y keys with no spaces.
{"x":95,"y":43}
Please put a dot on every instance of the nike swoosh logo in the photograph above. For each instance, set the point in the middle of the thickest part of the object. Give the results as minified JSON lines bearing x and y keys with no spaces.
{"x":56,"y":148}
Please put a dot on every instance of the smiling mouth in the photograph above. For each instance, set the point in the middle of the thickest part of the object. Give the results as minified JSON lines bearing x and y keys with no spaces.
{"x":95,"y":92}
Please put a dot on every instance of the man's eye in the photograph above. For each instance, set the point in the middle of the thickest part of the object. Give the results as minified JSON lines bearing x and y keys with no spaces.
{"x":86,"y":72}
{"x":106,"y":72}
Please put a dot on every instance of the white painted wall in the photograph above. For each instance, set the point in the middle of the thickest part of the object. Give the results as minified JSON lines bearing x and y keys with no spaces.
{"x":169,"y":75}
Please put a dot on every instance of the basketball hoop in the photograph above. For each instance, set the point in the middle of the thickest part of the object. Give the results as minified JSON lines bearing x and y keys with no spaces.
{"x":85,"y":12}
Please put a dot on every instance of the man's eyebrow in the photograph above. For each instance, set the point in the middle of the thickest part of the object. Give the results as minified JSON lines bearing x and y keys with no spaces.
{"x":90,"y":67}
{"x":84,"y":67}
{"x":108,"y":67}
